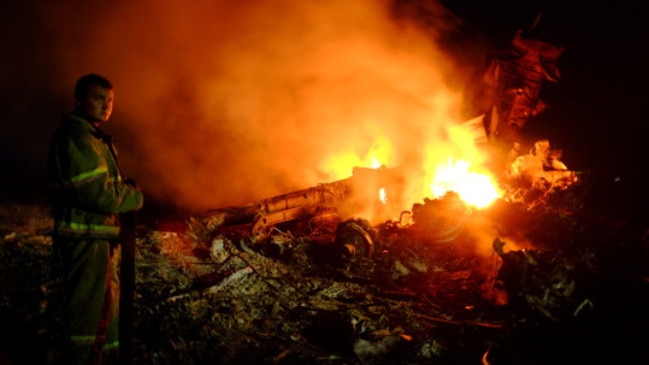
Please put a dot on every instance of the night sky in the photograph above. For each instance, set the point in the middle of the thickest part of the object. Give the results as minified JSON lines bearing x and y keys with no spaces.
{"x":596,"y":112}
{"x":596,"y":109}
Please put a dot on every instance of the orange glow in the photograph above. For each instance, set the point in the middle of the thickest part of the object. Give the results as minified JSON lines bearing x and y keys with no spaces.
{"x":341,"y":166}
{"x":264,"y":94}
{"x":476,"y":189}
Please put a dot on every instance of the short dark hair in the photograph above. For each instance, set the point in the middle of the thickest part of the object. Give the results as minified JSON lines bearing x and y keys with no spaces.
{"x":86,"y":81}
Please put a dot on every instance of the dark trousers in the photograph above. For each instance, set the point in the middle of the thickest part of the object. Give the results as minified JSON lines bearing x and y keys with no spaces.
{"x":91,"y":307}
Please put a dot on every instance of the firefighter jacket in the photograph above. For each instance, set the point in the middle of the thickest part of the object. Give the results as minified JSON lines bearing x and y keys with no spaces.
{"x":87,"y":191}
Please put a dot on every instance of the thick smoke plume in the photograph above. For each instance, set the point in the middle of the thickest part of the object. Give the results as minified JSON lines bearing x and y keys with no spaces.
{"x":220,"y":103}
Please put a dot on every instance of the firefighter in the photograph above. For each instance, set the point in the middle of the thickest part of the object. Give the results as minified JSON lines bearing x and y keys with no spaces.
{"x":88,"y":193}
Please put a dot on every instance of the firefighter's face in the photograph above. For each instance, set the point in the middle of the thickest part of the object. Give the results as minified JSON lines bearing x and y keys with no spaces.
{"x":97,"y":104}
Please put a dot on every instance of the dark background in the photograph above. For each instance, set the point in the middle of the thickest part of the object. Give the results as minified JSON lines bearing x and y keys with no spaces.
{"x":596,"y":110}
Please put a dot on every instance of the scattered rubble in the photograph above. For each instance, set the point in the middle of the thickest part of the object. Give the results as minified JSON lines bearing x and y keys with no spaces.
{"x":431,"y":287}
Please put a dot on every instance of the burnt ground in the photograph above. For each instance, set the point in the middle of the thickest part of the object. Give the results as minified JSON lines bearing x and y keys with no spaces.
{"x":578,"y":294}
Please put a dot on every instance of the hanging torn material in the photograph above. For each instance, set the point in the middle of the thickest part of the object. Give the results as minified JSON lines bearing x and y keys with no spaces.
{"x":515,"y":76}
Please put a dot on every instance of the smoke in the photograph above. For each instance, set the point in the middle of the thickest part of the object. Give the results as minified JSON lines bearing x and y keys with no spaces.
{"x":221,"y":103}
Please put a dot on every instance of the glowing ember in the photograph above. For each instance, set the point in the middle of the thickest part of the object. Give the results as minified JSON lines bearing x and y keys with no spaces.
{"x":476,"y":189}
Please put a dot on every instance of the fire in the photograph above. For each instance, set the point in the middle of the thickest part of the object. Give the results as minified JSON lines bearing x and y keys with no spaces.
{"x":376,"y":163}
{"x":341,"y":165}
{"x":476,"y":189}
{"x":383,"y":196}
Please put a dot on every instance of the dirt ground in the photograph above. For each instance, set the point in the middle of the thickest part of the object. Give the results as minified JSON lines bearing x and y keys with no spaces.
{"x":206,"y":295}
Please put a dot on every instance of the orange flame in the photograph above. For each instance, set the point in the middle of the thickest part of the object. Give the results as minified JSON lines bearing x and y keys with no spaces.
{"x":341,"y":166}
{"x":476,"y":189}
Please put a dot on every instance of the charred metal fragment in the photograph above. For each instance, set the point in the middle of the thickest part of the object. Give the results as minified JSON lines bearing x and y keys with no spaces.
{"x":540,"y":284}
{"x":440,"y":220}
{"x":357,"y":237}
{"x":516,"y":76}
{"x":356,"y":195}
{"x":533,"y":177}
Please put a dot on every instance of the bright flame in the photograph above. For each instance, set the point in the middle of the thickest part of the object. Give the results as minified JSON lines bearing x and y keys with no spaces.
{"x":341,"y":166}
{"x":375,"y":163}
{"x":383,"y":196}
{"x":476,"y":189}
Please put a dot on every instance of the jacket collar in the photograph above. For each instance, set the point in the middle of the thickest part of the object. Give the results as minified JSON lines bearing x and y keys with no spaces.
{"x":91,"y":128}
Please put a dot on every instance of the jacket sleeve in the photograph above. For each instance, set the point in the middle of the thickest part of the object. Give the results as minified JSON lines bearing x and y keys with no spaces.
{"x":90,"y":175}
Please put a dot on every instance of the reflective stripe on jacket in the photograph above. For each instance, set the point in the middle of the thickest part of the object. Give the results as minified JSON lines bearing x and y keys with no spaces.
{"x":87,"y":189}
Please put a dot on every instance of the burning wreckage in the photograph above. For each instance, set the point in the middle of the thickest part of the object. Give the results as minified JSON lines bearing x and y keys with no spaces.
{"x":341,"y":273}
{"x":440,"y":251}
{"x":328,"y":213}
{"x":421,"y":241}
